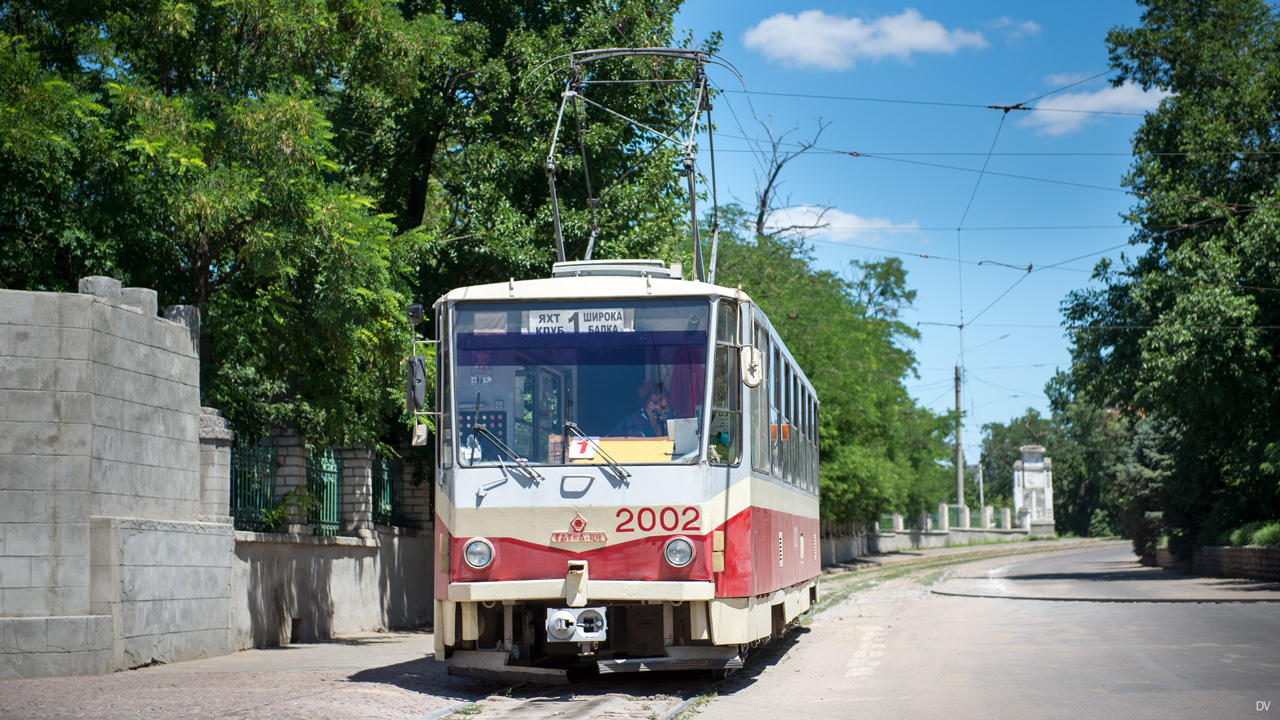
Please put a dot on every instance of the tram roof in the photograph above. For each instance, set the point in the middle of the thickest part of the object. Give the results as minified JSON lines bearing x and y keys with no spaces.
{"x":588,"y":287}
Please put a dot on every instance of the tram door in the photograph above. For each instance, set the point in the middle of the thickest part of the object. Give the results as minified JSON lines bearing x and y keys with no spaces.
{"x":540,"y":414}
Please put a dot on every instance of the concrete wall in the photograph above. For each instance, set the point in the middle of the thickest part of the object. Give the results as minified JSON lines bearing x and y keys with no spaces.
{"x":165,"y":586}
{"x":291,"y":588}
{"x":116,"y":548}
{"x":842,"y":543}
{"x":98,"y":420}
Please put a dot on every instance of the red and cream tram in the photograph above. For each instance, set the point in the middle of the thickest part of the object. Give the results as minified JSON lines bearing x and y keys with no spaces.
{"x":627,"y":475}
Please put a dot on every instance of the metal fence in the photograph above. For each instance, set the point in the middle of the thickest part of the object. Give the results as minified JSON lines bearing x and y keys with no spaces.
{"x":324,"y":483}
{"x":388,"y":491}
{"x":975,"y":518}
{"x":253,"y":486}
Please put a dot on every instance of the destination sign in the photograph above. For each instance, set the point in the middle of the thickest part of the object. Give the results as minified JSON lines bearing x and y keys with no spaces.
{"x":587,"y":320}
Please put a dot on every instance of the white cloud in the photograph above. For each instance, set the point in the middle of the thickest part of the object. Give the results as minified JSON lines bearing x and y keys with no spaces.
{"x":841,"y":226}
{"x":1015,"y":29}
{"x":1061,"y":79}
{"x":1075,"y":108}
{"x":831,"y":42}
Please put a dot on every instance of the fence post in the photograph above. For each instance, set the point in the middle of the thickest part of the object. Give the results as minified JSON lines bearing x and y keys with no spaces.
{"x":944,"y":518}
{"x":897,"y":522}
{"x":357,"y":491}
{"x":291,"y":474}
{"x":1006,"y":519}
{"x":986,"y":517}
{"x":216,"y":436}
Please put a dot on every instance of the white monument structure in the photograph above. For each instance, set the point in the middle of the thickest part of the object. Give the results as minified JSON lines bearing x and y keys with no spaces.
{"x":1033,"y":490}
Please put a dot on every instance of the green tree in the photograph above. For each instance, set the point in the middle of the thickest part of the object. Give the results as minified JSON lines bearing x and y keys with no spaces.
{"x":301,"y":170}
{"x":1183,"y":332}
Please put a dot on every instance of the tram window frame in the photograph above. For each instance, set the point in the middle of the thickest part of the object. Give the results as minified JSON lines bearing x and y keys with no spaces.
{"x":760,"y":405}
{"x":726,"y":380}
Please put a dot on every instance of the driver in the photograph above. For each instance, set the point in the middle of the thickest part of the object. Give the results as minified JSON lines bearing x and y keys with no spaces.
{"x":651,"y":419}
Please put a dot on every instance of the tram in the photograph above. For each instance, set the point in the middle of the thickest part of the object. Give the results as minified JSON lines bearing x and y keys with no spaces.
{"x":626,"y":475}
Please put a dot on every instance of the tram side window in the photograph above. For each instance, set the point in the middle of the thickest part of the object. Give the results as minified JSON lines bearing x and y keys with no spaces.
{"x":760,"y":407}
{"x":787,"y":445}
{"x":817,"y":446}
{"x":726,"y":405}
{"x":808,"y":441}
{"x":802,"y":445}
{"x":813,"y":447}
{"x":816,"y":475}
{"x":775,"y":429}
{"x":444,"y":401}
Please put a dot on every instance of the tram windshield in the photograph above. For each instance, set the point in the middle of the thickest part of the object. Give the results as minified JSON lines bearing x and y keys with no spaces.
{"x":626,"y":376}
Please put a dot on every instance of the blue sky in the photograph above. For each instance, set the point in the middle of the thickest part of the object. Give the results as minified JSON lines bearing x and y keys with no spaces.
{"x":916,"y":70}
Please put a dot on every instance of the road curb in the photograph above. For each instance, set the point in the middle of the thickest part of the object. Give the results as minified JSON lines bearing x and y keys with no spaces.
{"x":1145,"y":601}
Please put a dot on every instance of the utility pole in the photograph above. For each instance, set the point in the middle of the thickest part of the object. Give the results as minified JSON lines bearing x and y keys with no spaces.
{"x":982,"y":502}
{"x":959,"y":447}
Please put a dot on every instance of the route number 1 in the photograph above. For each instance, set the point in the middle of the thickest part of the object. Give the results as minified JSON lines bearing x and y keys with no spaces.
{"x":583,"y":448}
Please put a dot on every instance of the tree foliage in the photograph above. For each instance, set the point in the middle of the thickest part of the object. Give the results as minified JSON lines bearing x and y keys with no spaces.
{"x":879,"y":451}
{"x":1184,"y":333}
{"x":301,"y":170}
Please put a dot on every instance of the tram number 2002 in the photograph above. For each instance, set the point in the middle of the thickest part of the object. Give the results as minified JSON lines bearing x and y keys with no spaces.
{"x":668,"y":518}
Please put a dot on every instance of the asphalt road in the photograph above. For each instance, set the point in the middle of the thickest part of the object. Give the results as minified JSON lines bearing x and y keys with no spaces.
{"x":1115,"y":646}
{"x":893,"y":648}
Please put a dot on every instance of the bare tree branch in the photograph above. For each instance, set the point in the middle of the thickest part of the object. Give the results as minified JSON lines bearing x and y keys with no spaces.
{"x":775,"y":159}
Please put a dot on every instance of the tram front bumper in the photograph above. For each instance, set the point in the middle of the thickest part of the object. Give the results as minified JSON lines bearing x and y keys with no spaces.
{"x":596,"y":590}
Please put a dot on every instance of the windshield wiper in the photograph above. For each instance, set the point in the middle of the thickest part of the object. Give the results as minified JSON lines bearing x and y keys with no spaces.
{"x":622,"y":473}
{"x":520,"y":462}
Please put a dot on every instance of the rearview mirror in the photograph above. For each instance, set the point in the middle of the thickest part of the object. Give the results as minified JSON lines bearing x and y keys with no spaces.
{"x":415,"y":396}
{"x":751,"y":365}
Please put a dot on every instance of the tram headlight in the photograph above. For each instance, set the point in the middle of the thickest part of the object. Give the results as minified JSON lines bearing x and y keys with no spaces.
{"x":478,"y":553}
{"x":678,"y":552}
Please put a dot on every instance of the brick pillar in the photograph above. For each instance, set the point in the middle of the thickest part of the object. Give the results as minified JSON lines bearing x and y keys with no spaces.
{"x":291,"y":473}
{"x":416,"y":501}
{"x":357,"y":491}
{"x":216,"y":436}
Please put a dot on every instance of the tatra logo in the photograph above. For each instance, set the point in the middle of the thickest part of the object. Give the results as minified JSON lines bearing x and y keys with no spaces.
{"x":576,"y":534}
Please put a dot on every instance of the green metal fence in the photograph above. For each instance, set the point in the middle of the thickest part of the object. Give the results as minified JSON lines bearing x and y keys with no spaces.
{"x":324,"y":483}
{"x":953,"y":517}
{"x":975,"y":518}
{"x":886,"y":522}
{"x":253,"y":486}
{"x":388,"y":491}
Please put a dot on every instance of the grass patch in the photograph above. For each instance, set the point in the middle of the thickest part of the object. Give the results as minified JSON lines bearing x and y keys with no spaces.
{"x":931,"y":578}
{"x":472,"y":709}
{"x":692,"y":708}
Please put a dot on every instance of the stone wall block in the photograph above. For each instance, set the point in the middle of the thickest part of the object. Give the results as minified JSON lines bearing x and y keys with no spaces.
{"x":144,"y":300}
{"x":19,"y":307}
{"x":189,"y":317}
{"x":105,"y":288}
